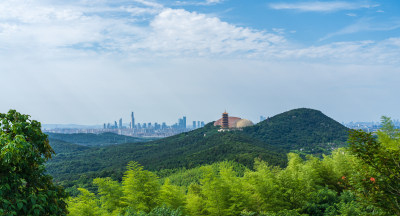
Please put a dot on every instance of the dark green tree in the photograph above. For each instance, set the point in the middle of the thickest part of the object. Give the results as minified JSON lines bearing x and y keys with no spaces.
{"x":25,"y":189}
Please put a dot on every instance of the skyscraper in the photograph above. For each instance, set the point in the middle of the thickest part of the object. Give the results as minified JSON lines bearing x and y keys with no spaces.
{"x":194,"y":124}
{"x":120,"y":123}
{"x":132,"y":121}
{"x":198,"y":123}
{"x":180,"y":123}
{"x":202,"y":124}
{"x":115,"y":124}
{"x":184,"y":122}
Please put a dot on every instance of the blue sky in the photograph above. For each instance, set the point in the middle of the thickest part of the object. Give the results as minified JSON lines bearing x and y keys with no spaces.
{"x":89,"y":62}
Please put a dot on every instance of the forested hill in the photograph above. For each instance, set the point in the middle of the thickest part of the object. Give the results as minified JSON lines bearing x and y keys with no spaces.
{"x":302,"y":128}
{"x":269,"y":140}
{"x":202,"y":146}
{"x":104,"y":139}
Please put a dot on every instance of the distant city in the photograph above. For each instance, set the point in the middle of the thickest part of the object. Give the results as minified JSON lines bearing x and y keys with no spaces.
{"x":368,"y":126}
{"x":146,"y":129}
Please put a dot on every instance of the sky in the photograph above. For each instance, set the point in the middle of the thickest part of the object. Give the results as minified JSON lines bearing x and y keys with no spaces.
{"x":94,"y":61}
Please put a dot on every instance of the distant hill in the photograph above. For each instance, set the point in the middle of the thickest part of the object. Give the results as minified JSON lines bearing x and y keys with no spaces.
{"x":62,"y":147}
{"x":302,"y":129}
{"x":306,"y":129}
{"x":103,"y":139}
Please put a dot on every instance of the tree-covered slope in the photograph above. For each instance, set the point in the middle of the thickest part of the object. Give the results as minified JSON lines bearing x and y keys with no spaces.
{"x":103,"y":139}
{"x":62,"y":147}
{"x":302,"y":128}
{"x":202,"y":146}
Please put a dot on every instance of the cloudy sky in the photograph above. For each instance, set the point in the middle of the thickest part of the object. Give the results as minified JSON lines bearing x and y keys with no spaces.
{"x":94,"y":61}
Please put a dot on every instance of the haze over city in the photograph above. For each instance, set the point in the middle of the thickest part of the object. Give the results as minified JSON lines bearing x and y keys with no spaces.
{"x":90,"y":62}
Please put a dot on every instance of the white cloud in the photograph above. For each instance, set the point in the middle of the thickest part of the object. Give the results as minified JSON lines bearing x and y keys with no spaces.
{"x":146,"y":28}
{"x":359,"y":52}
{"x":214,"y":1}
{"x":317,"y":6}
{"x":149,"y":3}
{"x":364,"y":24}
{"x":198,"y":3}
{"x":178,"y":31}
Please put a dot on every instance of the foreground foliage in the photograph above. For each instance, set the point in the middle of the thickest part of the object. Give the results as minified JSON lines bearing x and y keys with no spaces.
{"x":380,"y":161}
{"x":312,"y":186}
{"x":25,"y":189}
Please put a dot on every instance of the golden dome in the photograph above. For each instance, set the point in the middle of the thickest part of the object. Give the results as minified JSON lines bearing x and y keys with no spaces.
{"x":244,"y":123}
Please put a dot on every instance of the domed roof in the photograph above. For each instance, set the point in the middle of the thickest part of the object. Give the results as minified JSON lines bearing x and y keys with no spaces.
{"x":231,"y":120}
{"x":244,"y":123}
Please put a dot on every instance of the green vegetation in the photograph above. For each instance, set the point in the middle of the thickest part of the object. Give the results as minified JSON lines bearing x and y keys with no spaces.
{"x":24,"y":188}
{"x":96,"y":140}
{"x":305,"y":187}
{"x":61,"y":147}
{"x":304,"y":129}
{"x":378,"y":179}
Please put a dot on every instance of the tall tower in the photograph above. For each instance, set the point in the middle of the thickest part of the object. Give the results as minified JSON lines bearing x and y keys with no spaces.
{"x":184,"y":122}
{"x":120,"y":123}
{"x":132,"y":121}
{"x":225,"y":120}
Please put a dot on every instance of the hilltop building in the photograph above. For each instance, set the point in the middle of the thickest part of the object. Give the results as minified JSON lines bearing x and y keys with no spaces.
{"x":229,"y":122}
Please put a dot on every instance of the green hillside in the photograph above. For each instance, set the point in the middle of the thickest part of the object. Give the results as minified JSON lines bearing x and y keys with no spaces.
{"x":269,"y":140}
{"x":306,"y":129}
{"x":104,"y":139}
{"x":62,"y":147}
{"x":202,"y":146}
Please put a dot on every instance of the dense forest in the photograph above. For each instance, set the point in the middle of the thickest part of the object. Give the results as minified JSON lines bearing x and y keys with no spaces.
{"x":96,"y":140}
{"x":305,"y":131}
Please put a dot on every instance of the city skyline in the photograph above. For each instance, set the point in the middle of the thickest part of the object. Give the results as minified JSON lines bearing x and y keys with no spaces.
{"x":84,"y":62}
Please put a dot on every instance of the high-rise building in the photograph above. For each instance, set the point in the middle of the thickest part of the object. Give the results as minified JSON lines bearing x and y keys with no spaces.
{"x":262,"y":118}
{"x":202,"y":124}
{"x":194,"y":124}
{"x":144,"y":125}
{"x":120,"y":123}
{"x":164,"y":125}
{"x":115,"y":124}
{"x":225,"y":120}
{"x":104,"y":126}
{"x":184,"y":122}
{"x":198,"y":123}
{"x":132,"y":121}
{"x":180,"y":123}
